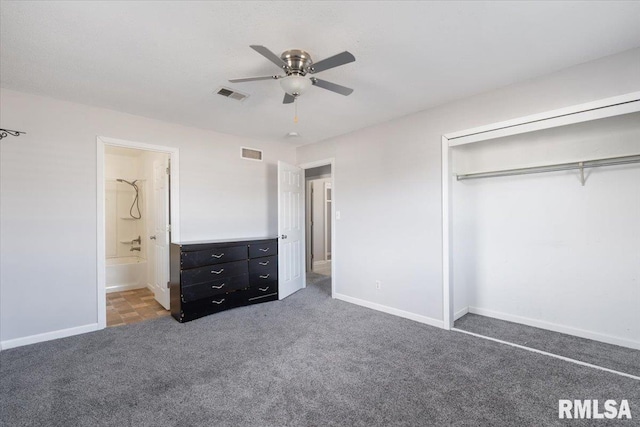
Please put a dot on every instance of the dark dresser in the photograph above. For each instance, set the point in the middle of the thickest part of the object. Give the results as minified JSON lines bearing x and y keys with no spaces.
{"x":212,"y":276}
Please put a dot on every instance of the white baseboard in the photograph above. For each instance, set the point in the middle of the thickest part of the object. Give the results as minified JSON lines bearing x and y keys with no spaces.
{"x":582,"y":333}
{"x":390,"y":310}
{"x":458,"y":314}
{"x":320,"y":263}
{"x":127,"y":287}
{"x":48,"y":336}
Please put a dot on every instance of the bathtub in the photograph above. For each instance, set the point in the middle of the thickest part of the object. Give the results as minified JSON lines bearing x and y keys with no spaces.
{"x":125,"y":273}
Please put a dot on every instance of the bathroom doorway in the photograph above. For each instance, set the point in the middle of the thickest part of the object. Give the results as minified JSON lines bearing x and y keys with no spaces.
{"x":319,"y":225}
{"x":137,"y":206}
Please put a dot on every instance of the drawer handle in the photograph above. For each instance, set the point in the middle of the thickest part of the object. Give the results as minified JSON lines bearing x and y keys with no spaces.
{"x":217,"y":272}
{"x":217,"y":302}
{"x":266,"y":276}
{"x":217,"y":256}
{"x":264,"y":250}
{"x":264,"y":263}
{"x":264,"y":289}
{"x":217,"y":287}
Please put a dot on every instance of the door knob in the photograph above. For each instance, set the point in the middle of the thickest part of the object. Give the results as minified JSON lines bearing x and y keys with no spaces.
{"x":152,"y":237}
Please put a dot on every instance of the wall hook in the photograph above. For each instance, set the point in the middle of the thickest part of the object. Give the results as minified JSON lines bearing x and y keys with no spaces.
{"x":7,"y":132}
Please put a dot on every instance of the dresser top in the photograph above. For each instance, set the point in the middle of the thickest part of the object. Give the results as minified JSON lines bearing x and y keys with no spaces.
{"x":203,"y":244}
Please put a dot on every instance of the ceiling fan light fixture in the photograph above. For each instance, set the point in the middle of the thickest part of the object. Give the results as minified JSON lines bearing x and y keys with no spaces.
{"x":295,"y":85}
{"x":296,"y":64}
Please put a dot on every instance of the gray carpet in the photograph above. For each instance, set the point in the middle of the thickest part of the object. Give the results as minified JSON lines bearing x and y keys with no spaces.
{"x":305,"y":361}
{"x":323,"y":282}
{"x":621,"y":359}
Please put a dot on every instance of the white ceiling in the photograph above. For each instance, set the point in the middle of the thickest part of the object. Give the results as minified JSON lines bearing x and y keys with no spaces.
{"x":165,"y":59}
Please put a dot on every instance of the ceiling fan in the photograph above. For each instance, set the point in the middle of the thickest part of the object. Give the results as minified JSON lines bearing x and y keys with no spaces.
{"x":296,"y":64}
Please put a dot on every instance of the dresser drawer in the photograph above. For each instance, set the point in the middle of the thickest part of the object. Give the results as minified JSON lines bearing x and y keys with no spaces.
{"x":260,"y":275}
{"x":263,"y":271}
{"x":213,"y":272}
{"x":214,"y":304}
{"x":263,"y":265}
{"x":267,"y":248}
{"x":261,"y":294}
{"x":213,"y":256}
{"x":215,"y":287}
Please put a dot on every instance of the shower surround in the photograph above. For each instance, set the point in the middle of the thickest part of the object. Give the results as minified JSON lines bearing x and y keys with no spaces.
{"x":125,"y":220}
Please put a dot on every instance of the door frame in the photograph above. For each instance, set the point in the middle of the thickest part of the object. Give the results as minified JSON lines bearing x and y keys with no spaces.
{"x":174,"y":205}
{"x":304,"y":166}
{"x":598,"y":109}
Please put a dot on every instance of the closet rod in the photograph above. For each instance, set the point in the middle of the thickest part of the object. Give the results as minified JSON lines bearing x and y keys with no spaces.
{"x":610,"y":161}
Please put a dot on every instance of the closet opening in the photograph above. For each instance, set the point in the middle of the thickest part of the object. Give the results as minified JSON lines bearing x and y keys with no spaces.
{"x":540,"y":234}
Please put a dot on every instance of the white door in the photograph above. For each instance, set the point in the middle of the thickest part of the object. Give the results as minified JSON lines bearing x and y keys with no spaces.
{"x":290,"y":229}
{"x":160,"y":238}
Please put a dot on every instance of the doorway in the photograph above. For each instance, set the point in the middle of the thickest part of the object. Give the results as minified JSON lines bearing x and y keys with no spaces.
{"x":319,"y":226}
{"x":136,"y":203}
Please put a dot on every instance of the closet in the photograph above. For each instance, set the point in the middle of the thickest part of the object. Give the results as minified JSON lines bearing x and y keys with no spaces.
{"x":544,"y":228}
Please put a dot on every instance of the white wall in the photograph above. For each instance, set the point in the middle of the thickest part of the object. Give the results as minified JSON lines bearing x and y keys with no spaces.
{"x":541,"y":248}
{"x":318,"y":172}
{"x":48,"y":202}
{"x":390,"y":227}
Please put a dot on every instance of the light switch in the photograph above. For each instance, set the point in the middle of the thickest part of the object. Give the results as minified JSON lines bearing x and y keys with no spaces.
{"x":337,"y":214}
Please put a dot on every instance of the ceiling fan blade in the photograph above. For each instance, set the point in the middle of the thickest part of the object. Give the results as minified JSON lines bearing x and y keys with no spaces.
{"x":342,"y":90}
{"x":333,"y":61}
{"x":269,"y":55}
{"x":288,"y":99}
{"x":253,"y":79}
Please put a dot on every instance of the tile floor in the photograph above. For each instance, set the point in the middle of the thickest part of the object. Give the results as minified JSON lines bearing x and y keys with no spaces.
{"x":127,"y":307}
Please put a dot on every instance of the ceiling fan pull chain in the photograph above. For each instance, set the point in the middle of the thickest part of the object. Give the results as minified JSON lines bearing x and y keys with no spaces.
{"x":295,"y":117}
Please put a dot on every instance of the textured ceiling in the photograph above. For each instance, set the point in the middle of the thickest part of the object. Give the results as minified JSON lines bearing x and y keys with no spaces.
{"x":165,"y":59}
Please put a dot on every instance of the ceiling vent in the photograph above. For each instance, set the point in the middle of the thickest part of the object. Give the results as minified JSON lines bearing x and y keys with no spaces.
{"x":251,"y":154}
{"x":233,"y":94}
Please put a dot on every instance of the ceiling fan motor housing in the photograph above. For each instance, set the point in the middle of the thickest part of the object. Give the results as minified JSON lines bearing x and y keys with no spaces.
{"x":299,"y":61}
